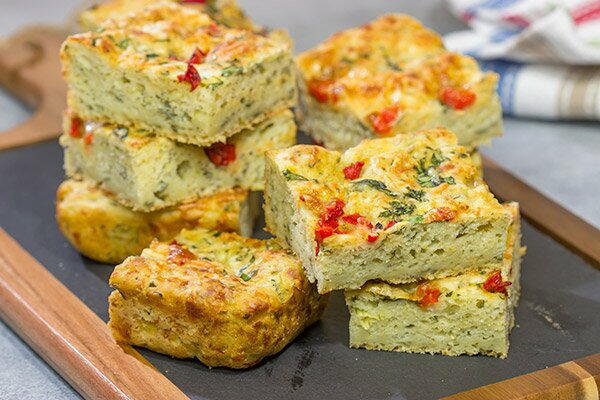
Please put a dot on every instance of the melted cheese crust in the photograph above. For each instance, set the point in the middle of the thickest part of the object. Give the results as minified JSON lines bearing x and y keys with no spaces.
{"x":421,"y":177}
{"x":104,"y":230}
{"x":392,"y":61}
{"x":224,"y":12}
{"x":160,"y":39}
{"x":219,"y":261}
{"x":224,"y":299}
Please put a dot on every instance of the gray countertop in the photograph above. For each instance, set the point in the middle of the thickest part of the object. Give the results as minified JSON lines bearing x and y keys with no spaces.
{"x":560,"y":159}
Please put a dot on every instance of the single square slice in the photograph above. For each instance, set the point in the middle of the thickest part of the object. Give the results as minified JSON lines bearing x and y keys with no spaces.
{"x":393,"y":76}
{"x":398,"y":209}
{"x":172,"y":71}
{"x":224,"y":299}
{"x":224,"y":12}
{"x":105,"y":231}
{"x":470,"y":313}
{"x":146,"y":172}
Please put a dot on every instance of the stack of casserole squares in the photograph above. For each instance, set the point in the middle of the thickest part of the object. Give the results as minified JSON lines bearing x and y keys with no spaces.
{"x":403,"y":222}
{"x":169,"y":114}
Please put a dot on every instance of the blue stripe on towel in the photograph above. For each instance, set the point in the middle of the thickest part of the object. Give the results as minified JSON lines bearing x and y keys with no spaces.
{"x":491,"y":4}
{"x":502,"y":35}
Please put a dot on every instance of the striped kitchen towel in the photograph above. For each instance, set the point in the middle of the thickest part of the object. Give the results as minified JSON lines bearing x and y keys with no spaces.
{"x":546,"y":52}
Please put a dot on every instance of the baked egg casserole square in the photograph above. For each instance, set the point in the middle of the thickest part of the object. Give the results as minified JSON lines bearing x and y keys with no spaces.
{"x":173,"y":71}
{"x":393,"y":76}
{"x":104,"y":230}
{"x":218,"y":297}
{"x":397,"y":209}
{"x":146,"y":172}
{"x":471,"y":313}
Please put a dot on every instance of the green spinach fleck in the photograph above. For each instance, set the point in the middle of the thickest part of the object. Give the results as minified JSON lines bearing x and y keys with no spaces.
{"x":416,"y":219}
{"x":232,"y":70}
{"x":391,"y":63}
{"x":215,"y":84}
{"x":427,"y":173}
{"x":397,"y":210}
{"x":290,"y":176}
{"x":373,"y":184}
{"x":247,"y":276}
{"x":418,"y":195}
{"x":123,"y":43}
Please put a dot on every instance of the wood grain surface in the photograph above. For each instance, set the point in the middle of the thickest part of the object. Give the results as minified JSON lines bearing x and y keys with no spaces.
{"x":30,"y":70}
{"x":69,"y":336}
{"x":574,"y":380}
{"x":546,"y":215}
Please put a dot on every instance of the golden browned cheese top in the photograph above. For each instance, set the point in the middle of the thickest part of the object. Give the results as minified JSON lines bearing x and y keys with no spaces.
{"x":393,"y":61}
{"x":384,"y":184}
{"x":210,"y":272}
{"x":224,"y":12}
{"x":162,"y":38}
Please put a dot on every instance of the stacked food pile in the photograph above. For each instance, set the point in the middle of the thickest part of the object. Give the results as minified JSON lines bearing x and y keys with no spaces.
{"x":428,"y":258}
{"x":407,"y":227}
{"x":169,"y":116}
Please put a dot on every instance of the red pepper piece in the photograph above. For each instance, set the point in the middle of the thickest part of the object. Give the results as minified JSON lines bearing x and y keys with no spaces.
{"x":76,"y":130}
{"x":351,"y":218}
{"x":441,"y":214}
{"x":322,"y":232}
{"x":353,"y":171}
{"x":197,"y":57}
{"x":323,"y":90}
{"x":191,"y":76}
{"x":212,"y":29}
{"x":333,"y":211}
{"x":328,"y":223}
{"x":494,"y":283}
{"x":357,"y":219}
{"x":220,"y":154}
{"x":389,"y":225}
{"x":384,"y":120}
{"x":429,"y":296}
{"x":88,"y":138}
{"x":457,"y":98}
{"x":179,"y":255}
{"x":372,"y":237}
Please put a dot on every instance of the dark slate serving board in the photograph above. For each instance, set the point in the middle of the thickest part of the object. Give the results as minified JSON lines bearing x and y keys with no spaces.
{"x":558,"y":318}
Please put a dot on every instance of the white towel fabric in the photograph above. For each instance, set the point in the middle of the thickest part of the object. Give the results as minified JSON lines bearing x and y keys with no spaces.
{"x":546,"y":52}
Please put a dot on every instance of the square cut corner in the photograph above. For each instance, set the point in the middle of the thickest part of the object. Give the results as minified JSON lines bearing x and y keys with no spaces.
{"x":149,"y":173}
{"x":471,"y":313}
{"x":398,"y":209}
{"x":221,"y":298}
{"x":173,"y":88}
{"x":338,"y":111}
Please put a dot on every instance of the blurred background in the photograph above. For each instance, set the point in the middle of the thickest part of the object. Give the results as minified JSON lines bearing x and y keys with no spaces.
{"x":559,"y":158}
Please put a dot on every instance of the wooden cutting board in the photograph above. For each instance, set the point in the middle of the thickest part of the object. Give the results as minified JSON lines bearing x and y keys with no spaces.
{"x":30,"y":69}
{"x":75,"y":342}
